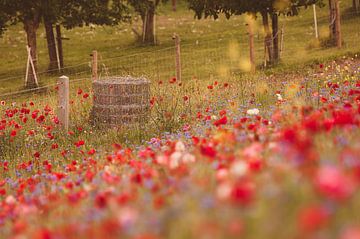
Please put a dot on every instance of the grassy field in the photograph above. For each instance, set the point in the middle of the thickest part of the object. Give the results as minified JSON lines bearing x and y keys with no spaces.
{"x":209,"y":48}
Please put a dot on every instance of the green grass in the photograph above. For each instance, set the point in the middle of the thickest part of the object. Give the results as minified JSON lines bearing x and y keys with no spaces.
{"x":205,"y":47}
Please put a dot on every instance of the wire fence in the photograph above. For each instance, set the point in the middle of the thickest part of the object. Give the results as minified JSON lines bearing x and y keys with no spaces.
{"x":210,"y":56}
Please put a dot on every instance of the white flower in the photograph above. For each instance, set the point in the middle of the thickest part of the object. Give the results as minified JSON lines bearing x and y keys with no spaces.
{"x":128,"y":216}
{"x":107,"y":169}
{"x":222,"y":174}
{"x":88,"y":187}
{"x":175,"y":160}
{"x":10,"y":200}
{"x":223,"y":191}
{"x":180,"y":147}
{"x":162,"y":159}
{"x":279,"y":97}
{"x":188,"y":158}
{"x":253,"y":111}
{"x":239,"y":168}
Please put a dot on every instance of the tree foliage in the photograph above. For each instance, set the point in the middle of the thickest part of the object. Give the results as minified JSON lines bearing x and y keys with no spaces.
{"x":272,"y":8}
{"x":213,"y":8}
{"x":3,"y":21}
{"x":70,"y":13}
{"x":77,"y":13}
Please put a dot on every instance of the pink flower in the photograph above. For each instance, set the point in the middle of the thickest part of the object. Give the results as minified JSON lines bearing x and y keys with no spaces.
{"x":333,"y":183}
{"x":352,"y":232}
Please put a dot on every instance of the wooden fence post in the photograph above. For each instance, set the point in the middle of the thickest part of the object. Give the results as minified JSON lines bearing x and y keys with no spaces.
{"x":94,"y":65}
{"x":178,"y":57}
{"x":282,"y":41}
{"x":63,"y":107}
{"x":315,"y":22}
{"x":59,"y":46}
{"x":30,"y":63}
{"x":252,"y":47}
{"x":338,"y":36}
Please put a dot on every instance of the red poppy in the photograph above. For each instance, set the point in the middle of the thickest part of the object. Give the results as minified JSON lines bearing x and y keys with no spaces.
{"x":13,"y":133}
{"x":243,"y":192}
{"x":221,"y":121}
{"x":312,"y":218}
{"x":172,"y":80}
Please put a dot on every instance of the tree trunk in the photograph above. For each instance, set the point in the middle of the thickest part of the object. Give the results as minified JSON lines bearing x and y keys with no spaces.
{"x":338,"y":36}
{"x":356,"y":7}
{"x":332,"y":17}
{"x":149,"y":26}
{"x":268,"y":43}
{"x":275,"y":31}
{"x":30,"y":26}
{"x":252,"y":47}
{"x":174,"y":5}
{"x":51,"y":44}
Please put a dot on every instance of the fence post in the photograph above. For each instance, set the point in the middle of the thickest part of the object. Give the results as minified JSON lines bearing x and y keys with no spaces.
{"x":178,"y":57}
{"x":252,"y":47}
{"x":315,"y":22}
{"x":94,"y":65}
{"x":59,"y":46}
{"x":63,"y":107}
{"x":282,"y":41}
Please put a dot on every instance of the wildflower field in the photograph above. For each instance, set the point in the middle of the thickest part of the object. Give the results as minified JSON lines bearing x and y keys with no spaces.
{"x":252,"y":126}
{"x":270,"y":158}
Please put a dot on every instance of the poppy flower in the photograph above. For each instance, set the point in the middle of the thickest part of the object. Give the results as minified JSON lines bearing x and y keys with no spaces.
{"x":221,"y":121}
{"x":208,"y":150}
{"x":79,"y":143}
{"x":312,"y":218}
{"x":351,"y":232}
{"x":13,"y":133}
{"x":91,"y":152}
{"x":243,"y":192}
{"x":172,"y":80}
{"x":333,"y":183}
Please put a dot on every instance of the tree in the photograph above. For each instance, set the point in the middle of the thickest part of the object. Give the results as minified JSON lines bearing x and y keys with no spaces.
{"x":267,"y":9}
{"x":77,"y":13}
{"x":147,"y":11}
{"x":356,"y":6}
{"x":70,"y":13}
{"x":334,"y":23}
{"x":2,"y":23}
{"x":174,"y":3}
{"x":51,"y":9}
{"x":29,"y":13}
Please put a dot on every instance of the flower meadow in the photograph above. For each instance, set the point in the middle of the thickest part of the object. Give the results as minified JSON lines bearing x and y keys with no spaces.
{"x":278,"y":157}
